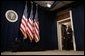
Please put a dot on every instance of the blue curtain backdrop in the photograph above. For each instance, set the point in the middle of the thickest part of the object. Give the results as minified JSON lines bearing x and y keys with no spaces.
{"x":78,"y":21}
{"x":10,"y":31}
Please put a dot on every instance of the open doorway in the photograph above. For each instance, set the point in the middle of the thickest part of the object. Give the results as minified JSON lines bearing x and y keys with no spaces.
{"x":65,"y":32}
{"x":66,"y":35}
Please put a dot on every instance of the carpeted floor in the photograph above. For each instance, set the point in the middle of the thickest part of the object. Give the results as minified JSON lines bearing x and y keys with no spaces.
{"x":49,"y":52}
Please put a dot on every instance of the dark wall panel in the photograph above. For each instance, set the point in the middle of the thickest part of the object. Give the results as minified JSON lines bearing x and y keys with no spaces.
{"x":78,"y":21}
{"x":9,"y":31}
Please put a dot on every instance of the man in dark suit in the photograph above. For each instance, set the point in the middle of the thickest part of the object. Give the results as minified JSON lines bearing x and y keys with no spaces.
{"x":69,"y":38}
{"x":64,"y":36}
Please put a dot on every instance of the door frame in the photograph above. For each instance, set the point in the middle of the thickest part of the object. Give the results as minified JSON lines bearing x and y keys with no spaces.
{"x":59,"y":32}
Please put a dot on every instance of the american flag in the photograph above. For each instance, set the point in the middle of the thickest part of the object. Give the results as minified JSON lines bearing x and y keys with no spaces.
{"x":36,"y":26}
{"x":23,"y":24}
{"x":26,"y":26}
{"x":30,"y":25}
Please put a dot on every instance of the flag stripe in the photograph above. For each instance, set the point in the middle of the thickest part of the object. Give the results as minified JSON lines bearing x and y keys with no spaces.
{"x":29,"y":25}
{"x":36,"y":31}
{"x":36,"y":38}
{"x":31,"y":21}
{"x":24,"y":21}
{"x":30,"y":33}
{"x":22,"y":30}
{"x":29,"y":29}
{"x":25,"y":36}
{"x":22,"y":26}
{"x":36,"y":25}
